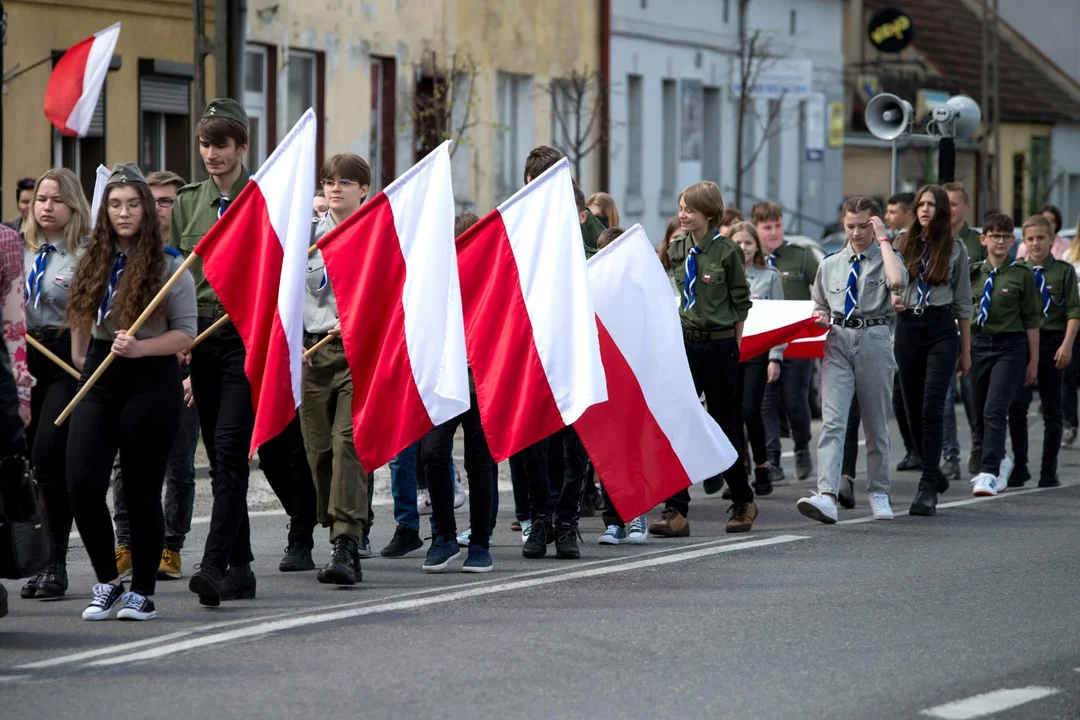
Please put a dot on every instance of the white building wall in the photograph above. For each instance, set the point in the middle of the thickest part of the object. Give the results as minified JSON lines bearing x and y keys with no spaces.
{"x":697,"y":40}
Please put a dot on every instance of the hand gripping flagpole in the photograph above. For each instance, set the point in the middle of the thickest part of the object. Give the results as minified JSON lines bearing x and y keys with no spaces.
{"x":162,"y":294}
{"x":52,"y":356}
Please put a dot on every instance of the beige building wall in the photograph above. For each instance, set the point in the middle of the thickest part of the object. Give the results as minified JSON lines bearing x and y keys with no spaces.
{"x":156,"y":29}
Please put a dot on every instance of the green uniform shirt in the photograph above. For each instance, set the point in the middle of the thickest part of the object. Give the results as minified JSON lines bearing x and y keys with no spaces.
{"x":1014,"y":300}
{"x":797,"y":267}
{"x":590,"y":233}
{"x":973,"y":244}
{"x":1064,"y":296}
{"x":194,"y":212}
{"x":721,"y":291}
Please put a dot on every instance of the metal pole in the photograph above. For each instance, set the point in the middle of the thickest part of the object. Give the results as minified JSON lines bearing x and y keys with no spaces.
{"x":892,"y":175}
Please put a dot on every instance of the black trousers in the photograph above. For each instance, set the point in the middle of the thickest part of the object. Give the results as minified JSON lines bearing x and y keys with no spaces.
{"x":1072,"y":376}
{"x":714,"y":364}
{"x":998,"y":363}
{"x":755,"y":376}
{"x":1050,"y":396}
{"x":435,"y":451}
{"x":226,"y":418}
{"x":927,"y":348}
{"x":792,"y":396}
{"x":134,"y":408}
{"x":535,"y":462}
{"x":47,"y":442}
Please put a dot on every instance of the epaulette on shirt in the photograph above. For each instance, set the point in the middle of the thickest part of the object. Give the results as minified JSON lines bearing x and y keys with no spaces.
{"x":188,"y":187}
{"x":169,"y":250}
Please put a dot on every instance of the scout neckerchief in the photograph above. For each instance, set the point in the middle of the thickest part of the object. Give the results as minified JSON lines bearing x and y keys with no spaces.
{"x":33,"y":280}
{"x":110,"y":291}
{"x":851,"y":299}
{"x":689,"y":296}
{"x":1040,"y":282}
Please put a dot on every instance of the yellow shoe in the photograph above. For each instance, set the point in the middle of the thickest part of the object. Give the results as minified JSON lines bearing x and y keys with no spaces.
{"x":170,"y":565}
{"x":123,"y":562}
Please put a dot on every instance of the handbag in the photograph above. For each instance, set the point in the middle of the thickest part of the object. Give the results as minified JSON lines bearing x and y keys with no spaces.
{"x":25,"y":541}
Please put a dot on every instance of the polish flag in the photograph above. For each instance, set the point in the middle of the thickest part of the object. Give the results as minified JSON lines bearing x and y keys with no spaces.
{"x":255,"y":258}
{"x":776,"y":322}
{"x":652,"y":438}
{"x":76,"y":82}
{"x":530,"y":328}
{"x":393,"y":267}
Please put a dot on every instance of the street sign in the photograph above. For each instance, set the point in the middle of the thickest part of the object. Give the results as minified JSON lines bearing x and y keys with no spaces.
{"x":891,"y":30}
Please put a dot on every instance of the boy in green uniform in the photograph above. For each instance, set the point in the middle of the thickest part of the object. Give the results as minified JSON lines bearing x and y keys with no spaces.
{"x":1004,"y":346}
{"x":959,"y":207}
{"x":220,"y":387}
{"x":1060,"y":305}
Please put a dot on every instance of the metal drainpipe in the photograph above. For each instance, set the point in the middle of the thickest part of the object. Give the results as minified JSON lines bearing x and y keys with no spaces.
{"x":605,"y":90}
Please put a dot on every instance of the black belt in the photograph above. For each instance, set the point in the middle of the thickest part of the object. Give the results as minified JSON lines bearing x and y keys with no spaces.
{"x":211,"y":313}
{"x":47,"y":334}
{"x":859,"y":323}
{"x":312,"y":338}
{"x":926,"y":310}
{"x":702,"y":336}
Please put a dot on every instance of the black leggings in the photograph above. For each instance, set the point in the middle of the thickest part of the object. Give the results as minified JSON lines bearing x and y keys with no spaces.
{"x":435,"y":451}
{"x":755,"y":376}
{"x":47,"y":442}
{"x":134,"y":408}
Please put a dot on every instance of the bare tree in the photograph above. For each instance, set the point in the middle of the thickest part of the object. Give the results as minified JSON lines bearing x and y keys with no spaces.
{"x":444,"y":106}
{"x":577,"y":107}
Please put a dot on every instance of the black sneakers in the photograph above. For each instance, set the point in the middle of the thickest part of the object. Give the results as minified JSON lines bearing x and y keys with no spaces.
{"x":541,"y":535}
{"x":206,"y":583}
{"x":405,"y":541}
{"x":238,"y":583}
{"x":762,"y":482}
{"x":566,"y":542}
{"x":344,"y":565}
{"x":105,"y":596}
{"x":297,"y":559}
{"x":136,"y":606}
{"x":3,"y":601}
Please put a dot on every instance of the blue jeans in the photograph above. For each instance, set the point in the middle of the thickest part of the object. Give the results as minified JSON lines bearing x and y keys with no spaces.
{"x":403,"y":487}
{"x":950,"y":448}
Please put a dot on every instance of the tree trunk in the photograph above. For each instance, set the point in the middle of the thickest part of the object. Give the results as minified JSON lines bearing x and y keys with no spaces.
{"x":744,"y":76}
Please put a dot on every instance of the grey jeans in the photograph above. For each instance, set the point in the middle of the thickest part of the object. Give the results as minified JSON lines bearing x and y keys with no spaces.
{"x":857,"y":362}
{"x":179,"y":487}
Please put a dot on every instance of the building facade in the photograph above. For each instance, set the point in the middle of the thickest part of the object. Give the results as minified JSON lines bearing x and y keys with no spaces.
{"x":676,"y":88}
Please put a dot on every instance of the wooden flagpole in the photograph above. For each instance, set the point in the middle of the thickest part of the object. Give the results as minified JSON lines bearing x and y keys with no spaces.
{"x":336,"y":333}
{"x":52,"y":356}
{"x":162,"y":294}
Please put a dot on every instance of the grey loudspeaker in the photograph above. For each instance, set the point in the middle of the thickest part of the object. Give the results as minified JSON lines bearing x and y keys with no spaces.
{"x":887,"y":116}
{"x":958,"y":118}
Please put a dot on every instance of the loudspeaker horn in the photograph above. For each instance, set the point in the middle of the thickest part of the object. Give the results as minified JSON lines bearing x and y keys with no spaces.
{"x":887,"y":116}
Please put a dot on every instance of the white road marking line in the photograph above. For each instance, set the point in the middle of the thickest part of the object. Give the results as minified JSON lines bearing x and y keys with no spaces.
{"x":13,"y":678}
{"x":989,"y":703}
{"x":416,"y":603}
{"x":210,"y":627}
{"x":956,"y":503}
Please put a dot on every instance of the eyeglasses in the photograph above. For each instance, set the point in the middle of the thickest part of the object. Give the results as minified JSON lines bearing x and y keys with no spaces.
{"x":1000,"y":237}
{"x":342,"y":183}
{"x":116,"y":207}
{"x":165,"y":202}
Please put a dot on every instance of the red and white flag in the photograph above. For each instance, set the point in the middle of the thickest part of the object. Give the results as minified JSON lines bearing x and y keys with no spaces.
{"x":76,"y":82}
{"x":393,"y":267}
{"x":530,"y":328}
{"x":652,"y":438}
{"x":776,"y":322}
{"x":255,"y":258}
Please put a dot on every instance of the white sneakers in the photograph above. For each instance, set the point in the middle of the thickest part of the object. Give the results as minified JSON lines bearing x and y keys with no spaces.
{"x":984,"y":485}
{"x":879,"y":504}
{"x":823,"y":508}
{"x":1004,"y":471}
{"x":818,"y":507}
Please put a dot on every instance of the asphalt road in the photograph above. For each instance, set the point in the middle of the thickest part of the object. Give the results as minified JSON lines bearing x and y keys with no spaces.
{"x":969,"y":614}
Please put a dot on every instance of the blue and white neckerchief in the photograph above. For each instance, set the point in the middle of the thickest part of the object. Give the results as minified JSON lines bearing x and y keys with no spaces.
{"x":689,"y":296}
{"x":1040,"y":282}
{"x":110,"y":292}
{"x":223,"y":205}
{"x":922,"y":287}
{"x":33,"y":280}
{"x":771,"y":259}
{"x":851,"y":298}
{"x":987,"y":293}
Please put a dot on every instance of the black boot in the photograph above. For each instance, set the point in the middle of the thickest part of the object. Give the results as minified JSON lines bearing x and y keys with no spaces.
{"x":541,"y":535}
{"x":1017,"y":478}
{"x":405,"y":541}
{"x":3,"y":601}
{"x":925,"y":502}
{"x":762,"y":482}
{"x":239,"y":583}
{"x":297,"y":559}
{"x":53,"y":583}
{"x":344,"y":564}
{"x":206,"y":583}
{"x":566,"y":542}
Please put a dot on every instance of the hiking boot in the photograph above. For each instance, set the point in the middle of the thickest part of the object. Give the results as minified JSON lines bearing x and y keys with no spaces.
{"x":170,"y":565}
{"x":238,"y":583}
{"x":566,"y":542}
{"x":344,"y":563}
{"x":123,"y":562}
{"x":53,"y":583}
{"x":29,"y":588}
{"x":672,"y":523}
{"x":911,"y":461}
{"x":804,"y":464}
{"x":541,"y":535}
{"x":405,"y":541}
{"x":297,"y":559}
{"x":206,"y":583}
{"x":742,"y":517}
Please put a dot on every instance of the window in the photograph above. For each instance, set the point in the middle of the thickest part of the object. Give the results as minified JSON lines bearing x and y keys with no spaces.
{"x":514,"y":137}
{"x":792,"y":23}
{"x":257,"y":89}
{"x":1041,"y":174}
{"x":667,"y":180}
{"x":710,"y":163}
{"x":634,"y":117}
{"x":727,"y":10}
{"x":382,"y":145}
{"x":302,"y":86}
{"x":164,"y":108}
{"x":83,"y":155}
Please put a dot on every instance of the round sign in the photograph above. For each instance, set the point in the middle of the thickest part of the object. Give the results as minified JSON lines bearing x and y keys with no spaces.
{"x":891,"y":30}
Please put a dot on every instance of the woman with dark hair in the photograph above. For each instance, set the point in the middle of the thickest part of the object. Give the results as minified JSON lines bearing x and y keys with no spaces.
{"x":134,"y":407}
{"x":929,"y":311}
{"x":57,"y":224}
{"x":1060,"y":244}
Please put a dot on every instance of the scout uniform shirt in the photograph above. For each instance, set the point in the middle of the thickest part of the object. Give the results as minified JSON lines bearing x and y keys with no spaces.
{"x":797,"y":267}
{"x":973,"y":244}
{"x":196,"y":209}
{"x":721,"y":292}
{"x":1014,"y":300}
{"x":1061,"y":300}
{"x":590,"y":233}
{"x":180,"y":309}
{"x":831,"y":284}
{"x":320,"y":306}
{"x":48,"y":280}
{"x":765,"y":284}
{"x":955,"y":293}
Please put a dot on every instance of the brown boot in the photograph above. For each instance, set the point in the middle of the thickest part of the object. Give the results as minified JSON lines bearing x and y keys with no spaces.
{"x":672,"y":523}
{"x":742,"y":517}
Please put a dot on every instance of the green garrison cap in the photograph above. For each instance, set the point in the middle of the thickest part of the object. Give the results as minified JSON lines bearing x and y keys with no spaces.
{"x":126,"y":173}
{"x":226,"y":108}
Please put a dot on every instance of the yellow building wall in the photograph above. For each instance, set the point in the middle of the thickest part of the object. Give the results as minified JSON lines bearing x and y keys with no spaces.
{"x":158,"y":29}
{"x":1016,"y":138}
